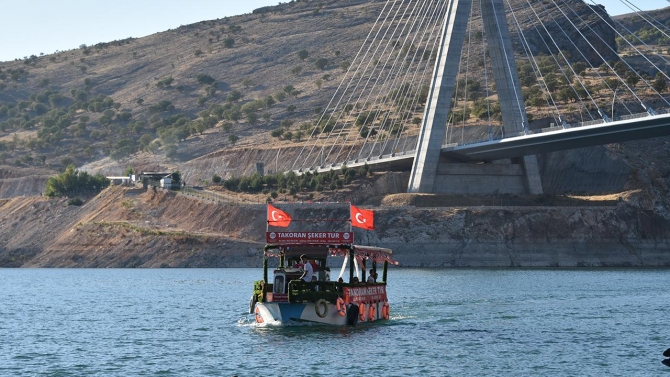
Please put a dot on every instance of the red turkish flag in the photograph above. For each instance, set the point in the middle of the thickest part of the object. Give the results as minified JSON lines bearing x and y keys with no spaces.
{"x":277,"y":217}
{"x":362,"y":218}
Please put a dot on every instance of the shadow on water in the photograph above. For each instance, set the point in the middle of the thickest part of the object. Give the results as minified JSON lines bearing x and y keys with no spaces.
{"x":298,"y":329}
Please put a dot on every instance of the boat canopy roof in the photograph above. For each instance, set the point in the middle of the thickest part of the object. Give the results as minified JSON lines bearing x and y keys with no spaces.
{"x":377,"y":254}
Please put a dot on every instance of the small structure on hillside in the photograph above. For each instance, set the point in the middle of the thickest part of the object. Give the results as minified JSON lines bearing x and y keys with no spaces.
{"x":151,"y":178}
{"x":166,"y":182}
{"x":120,"y":181}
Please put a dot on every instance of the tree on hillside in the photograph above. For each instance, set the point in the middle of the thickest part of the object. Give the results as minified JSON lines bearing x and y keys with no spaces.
{"x":321,"y":63}
{"x":74,"y":182}
{"x":176,"y":178}
{"x":204,"y":79}
{"x":303,"y":54}
{"x":660,"y":84}
{"x":296,"y":70}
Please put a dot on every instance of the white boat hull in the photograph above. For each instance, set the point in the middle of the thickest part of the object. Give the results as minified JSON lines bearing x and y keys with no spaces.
{"x":284,"y":313}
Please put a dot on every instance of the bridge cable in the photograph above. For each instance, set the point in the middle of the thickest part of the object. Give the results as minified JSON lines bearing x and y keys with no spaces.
{"x":546,"y":93}
{"x":565,"y":59}
{"x":519,"y":101}
{"x":642,"y":14}
{"x":636,"y":49}
{"x":372,"y":90}
{"x":486,"y":78}
{"x":344,"y":110}
{"x":467,"y":72}
{"x":326,"y":128}
{"x":622,"y":60}
{"x":643,"y":43}
{"x":633,"y":70}
{"x":367,"y":38}
{"x":367,"y":101}
{"x":389,"y":82}
{"x":582,"y":107}
{"x":421,"y":65}
{"x":580,"y":51}
{"x":397,"y":124}
{"x":595,"y":70}
{"x":434,"y":36}
{"x":451,"y":121}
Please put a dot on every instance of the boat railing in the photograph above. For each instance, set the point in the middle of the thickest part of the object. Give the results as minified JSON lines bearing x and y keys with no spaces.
{"x":302,"y":291}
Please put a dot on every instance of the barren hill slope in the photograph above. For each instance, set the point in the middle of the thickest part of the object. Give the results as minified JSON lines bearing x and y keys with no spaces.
{"x":125,"y":227}
{"x":164,"y":95}
{"x":258,"y":63}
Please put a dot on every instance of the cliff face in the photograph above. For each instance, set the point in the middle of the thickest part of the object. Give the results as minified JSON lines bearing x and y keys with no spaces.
{"x":518,"y":237}
{"x":138,"y":228}
{"x":575,"y":28}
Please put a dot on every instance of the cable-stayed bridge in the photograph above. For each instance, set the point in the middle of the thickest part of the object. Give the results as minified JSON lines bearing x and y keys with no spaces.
{"x":466,"y":92}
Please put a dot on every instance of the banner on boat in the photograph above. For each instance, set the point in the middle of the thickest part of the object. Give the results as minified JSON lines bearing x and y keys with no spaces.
{"x":321,"y":238}
{"x":374,"y":293}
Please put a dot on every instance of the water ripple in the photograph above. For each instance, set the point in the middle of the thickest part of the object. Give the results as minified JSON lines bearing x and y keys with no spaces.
{"x":443,"y":323}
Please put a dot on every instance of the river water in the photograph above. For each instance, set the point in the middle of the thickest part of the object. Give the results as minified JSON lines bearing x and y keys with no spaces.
{"x":444,"y":322}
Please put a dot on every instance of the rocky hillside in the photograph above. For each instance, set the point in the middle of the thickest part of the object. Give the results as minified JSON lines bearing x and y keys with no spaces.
{"x":98,"y":105}
{"x":175,"y":99}
{"x":128,"y":227}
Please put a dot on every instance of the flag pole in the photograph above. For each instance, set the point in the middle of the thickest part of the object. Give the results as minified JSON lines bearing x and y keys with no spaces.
{"x":267,"y":218}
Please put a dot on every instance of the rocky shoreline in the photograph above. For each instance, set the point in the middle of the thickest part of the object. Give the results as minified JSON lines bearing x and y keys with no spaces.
{"x":126,"y":227}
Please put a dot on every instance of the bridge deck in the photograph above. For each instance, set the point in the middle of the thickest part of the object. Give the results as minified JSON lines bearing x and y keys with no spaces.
{"x":539,"y":142}
{"x":562,"y":139}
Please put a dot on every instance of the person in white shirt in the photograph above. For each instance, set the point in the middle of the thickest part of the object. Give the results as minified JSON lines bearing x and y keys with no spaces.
{"x":307,"y":268}
{"x":372,"y":278}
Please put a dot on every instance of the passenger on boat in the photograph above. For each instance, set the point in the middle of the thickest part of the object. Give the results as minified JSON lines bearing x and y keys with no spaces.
{"x":372,"y":279}
{"x":308,"y":269}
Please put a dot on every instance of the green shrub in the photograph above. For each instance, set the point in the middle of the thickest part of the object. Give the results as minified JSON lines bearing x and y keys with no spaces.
{"x":204,"y":79}
{"x":233,"y":96}
{"x":75,"y":202}
{"x":165,"y":82}
{"x":162,"y":106}
{"x":321,"y":63}
{"x":280,"y":96}
{"x":73,"y":181}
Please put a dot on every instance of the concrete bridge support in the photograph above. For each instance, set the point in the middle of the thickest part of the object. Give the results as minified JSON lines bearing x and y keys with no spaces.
{"x":428,"y":173}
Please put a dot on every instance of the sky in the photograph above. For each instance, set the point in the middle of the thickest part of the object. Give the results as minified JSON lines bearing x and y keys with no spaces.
{"x":33,"y":27}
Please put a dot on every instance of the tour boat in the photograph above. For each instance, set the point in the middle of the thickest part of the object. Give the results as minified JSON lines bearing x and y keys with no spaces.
{"x":283,"y":297}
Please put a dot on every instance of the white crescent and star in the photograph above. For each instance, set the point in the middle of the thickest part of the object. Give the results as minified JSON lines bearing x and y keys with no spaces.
{"x":358,"y":218}
{"x":274,"y":216}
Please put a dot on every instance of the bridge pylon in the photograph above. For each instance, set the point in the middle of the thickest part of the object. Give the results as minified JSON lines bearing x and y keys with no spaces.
{"x":430,"y":174}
